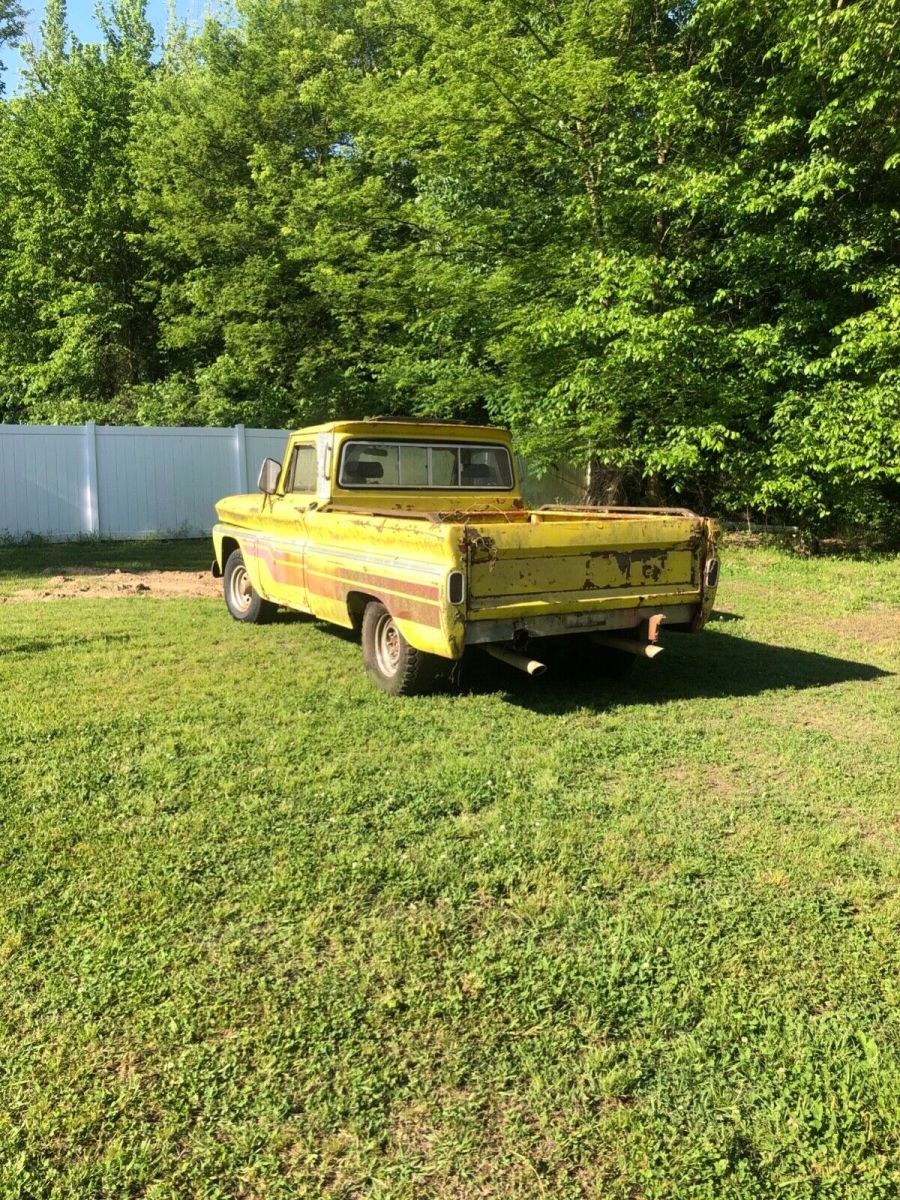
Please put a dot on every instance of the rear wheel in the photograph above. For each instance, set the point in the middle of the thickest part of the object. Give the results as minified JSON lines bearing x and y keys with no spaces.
{"x":241,"y":598}
{"x":391,"y":662}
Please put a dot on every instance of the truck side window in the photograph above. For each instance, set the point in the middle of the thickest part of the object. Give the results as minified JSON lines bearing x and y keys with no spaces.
{"x":303,"y":469}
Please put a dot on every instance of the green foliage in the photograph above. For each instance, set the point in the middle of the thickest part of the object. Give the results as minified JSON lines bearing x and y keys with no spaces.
{"x":259,"y":265}
{"x":75,"y":330}
{"x":267,"y":932}
{"x":666,"y":236}
{"x":662,"y":240}
{"x":11,"y":25}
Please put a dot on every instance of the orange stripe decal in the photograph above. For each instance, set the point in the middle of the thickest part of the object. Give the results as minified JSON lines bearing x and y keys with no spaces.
{"x":407,"y":601}
{"x":403,"y":608}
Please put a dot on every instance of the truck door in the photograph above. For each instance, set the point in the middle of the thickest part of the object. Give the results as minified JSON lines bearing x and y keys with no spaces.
{"x":288,"y":525}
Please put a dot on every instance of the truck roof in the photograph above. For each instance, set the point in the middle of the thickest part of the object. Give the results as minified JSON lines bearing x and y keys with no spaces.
{"x":405,"y":426}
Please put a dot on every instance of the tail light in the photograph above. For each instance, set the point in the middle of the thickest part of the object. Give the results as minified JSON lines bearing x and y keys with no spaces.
{"x":456,"y":587}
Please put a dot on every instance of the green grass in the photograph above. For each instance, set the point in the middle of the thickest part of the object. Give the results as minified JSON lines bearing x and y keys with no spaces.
{"x":265,"y":932}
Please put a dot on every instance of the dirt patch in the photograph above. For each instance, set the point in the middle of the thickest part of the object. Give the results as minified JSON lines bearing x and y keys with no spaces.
{"x":838,"y":724}
{"x":880,"y":626}
{"x":90,"y":583}
{"x":701,"y":779}
{"x":870,"y":830}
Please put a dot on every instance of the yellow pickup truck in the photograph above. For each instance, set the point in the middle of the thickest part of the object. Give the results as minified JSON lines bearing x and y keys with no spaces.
{"x":415,"y":533}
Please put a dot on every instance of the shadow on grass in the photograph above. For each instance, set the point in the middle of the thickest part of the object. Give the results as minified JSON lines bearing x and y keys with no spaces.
{"x":713,"y":665}
{"x":41,"y":645}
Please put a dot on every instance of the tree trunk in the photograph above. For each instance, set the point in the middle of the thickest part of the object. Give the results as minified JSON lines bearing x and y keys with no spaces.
{"x":604,"y":482}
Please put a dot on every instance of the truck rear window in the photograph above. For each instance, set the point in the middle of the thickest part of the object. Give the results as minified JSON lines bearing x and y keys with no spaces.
{"x":397,"y":465}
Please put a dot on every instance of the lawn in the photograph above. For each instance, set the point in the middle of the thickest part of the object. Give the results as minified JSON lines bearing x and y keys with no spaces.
{"x":266,"y":932}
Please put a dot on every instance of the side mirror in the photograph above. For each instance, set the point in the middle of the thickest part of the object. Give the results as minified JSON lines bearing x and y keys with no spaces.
{"x":268,"y":476}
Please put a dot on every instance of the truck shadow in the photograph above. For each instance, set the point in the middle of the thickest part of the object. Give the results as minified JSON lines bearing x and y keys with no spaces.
{"x":715,"y":665}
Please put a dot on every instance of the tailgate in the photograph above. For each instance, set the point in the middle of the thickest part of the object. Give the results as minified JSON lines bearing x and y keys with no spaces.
{"x":570,"y":563}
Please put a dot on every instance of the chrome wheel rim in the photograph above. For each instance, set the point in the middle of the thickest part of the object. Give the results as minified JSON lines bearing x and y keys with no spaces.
{"x":240,"y":589}
{"x":387,"y":645}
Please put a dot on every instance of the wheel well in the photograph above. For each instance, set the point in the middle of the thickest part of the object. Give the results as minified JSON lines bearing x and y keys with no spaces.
{"x":228,"y":545}
{"x":356,"y":606}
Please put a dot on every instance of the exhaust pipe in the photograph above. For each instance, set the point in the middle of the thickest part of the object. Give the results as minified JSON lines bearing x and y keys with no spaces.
{"x":641,"y":649}
{"x":529,"y":665}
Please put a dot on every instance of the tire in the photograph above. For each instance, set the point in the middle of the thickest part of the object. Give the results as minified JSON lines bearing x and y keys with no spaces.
{"x":241,"y":598}
{"x":391,"y":662}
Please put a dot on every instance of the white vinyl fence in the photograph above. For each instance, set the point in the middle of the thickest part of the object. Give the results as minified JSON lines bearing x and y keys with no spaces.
{"x":70,"y":481}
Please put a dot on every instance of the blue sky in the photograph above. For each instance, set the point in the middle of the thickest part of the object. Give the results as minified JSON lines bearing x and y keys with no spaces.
{"x":84,"y":26}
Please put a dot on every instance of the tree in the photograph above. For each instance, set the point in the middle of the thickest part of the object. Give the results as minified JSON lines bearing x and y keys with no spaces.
{"x":76,"y":332}
{"x":251,"y":193}
{"x":663,"y":237}
{"x":11,"y":28}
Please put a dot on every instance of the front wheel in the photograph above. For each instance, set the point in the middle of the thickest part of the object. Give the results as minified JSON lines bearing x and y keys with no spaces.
{"x":391,"y":662}
{"x":241,"y":598}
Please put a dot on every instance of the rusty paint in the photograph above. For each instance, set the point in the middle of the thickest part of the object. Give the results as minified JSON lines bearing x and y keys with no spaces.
{"x":407,"y":513}
{"x":651,"y":562}
{"x":465,"y":516}
{"x":478,"y":547}
{"x":652,"y":627}
{"x":617,"y":510}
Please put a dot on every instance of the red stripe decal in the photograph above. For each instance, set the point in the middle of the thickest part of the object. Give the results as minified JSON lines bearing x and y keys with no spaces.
{"x":403,"y":608}
{"x":427,"y":591}
{"x":288,"y":569}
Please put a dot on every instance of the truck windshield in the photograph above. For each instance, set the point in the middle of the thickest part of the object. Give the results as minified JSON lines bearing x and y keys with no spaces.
{"x":394,"y":465}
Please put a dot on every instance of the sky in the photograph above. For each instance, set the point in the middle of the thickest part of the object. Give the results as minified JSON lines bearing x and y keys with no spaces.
{"x":84,"y":26}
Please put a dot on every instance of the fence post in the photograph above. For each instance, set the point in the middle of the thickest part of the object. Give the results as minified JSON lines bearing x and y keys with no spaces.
{"x":240,"y":455}
{"x":91,"y":492}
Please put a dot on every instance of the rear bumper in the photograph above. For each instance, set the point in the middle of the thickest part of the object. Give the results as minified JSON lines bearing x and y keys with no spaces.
{"x":556,"y":625}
